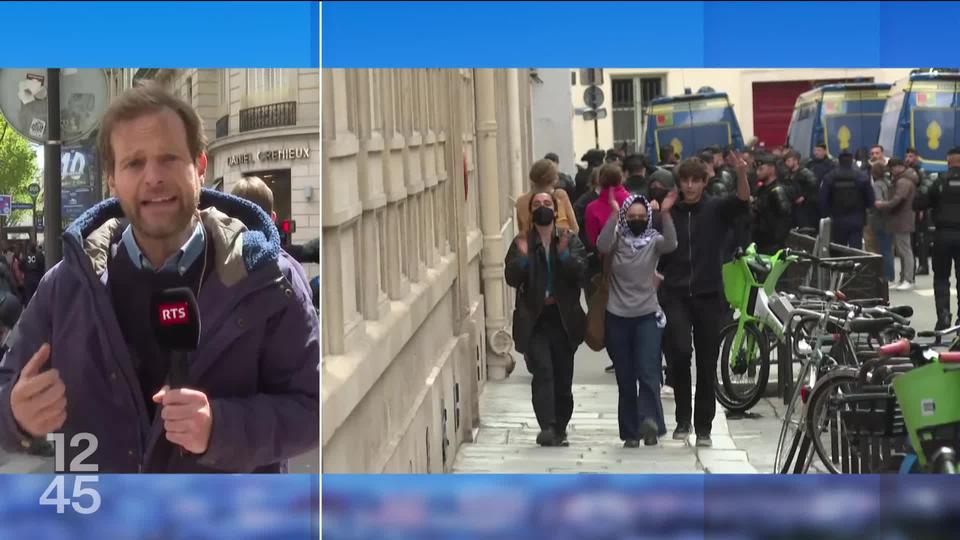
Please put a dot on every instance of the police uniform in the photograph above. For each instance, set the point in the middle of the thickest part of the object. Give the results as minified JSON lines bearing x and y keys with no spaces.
{"x":844,"y":197}
{"x":772,"y":216}
{"x":943,"y":198}
{"x":921,"y":238}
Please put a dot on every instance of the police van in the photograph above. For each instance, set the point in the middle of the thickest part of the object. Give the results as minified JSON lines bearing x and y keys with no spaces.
{"x":690,"y":123}
{"x":843,"y":116}
{"x":923,"y":112}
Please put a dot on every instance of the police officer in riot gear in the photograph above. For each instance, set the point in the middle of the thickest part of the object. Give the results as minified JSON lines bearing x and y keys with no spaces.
{"x":805,"y":186}
{"x":921,"y":238}
{"x":943,"y":199}
{"x":772,"y":208}
{"x":719,"y":183}
{"x":845,"y":195}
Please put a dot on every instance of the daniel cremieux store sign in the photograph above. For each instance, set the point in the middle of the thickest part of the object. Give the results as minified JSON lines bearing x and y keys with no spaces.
{"x":285,"y":154}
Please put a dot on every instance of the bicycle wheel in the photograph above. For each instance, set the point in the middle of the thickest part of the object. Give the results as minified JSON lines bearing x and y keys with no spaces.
{"x":824,"y":423}
{"x":793,"y":441}
{"x":802,"y":334}
{"x":744,"y":372}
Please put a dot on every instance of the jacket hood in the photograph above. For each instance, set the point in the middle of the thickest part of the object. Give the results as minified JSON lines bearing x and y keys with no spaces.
{"x":242,"y":234}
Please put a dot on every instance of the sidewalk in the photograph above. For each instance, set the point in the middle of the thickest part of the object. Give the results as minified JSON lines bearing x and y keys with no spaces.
{"x":506,"y":439}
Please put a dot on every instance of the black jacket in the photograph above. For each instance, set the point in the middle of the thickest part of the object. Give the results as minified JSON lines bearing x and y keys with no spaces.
{"x":637,"y":184}
{"x":693,"y":268}
{"x":529,"y":276}
{"x":567,"y":184}
{"x":803,"y":183}
{"x":820,"y":167}
{"x":944,"y":202}
{"x":772,"y":216}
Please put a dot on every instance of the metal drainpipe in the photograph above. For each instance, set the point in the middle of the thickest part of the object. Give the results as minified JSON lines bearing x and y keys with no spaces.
{"x":513,"y":112}
{"x":499,"y":341}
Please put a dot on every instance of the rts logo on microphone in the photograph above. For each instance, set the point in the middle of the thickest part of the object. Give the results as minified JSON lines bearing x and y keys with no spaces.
{"x":171,"y":314}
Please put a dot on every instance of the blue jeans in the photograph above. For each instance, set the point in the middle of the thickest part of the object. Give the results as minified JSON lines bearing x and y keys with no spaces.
{"x":885,"y":244}
{"x":634,"y":346}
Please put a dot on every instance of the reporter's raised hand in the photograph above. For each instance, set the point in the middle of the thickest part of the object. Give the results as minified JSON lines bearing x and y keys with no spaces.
{"x":39,"y":400}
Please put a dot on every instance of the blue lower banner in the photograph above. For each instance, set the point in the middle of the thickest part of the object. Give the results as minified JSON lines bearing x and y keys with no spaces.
{"x":169,"y":507}
{"x":632,"y":507}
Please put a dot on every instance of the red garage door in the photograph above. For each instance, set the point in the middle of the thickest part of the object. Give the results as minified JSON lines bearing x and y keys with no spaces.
{"x":773,"y":106}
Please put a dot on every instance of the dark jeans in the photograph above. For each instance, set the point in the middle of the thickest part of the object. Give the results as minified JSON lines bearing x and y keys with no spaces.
{"x":921,"y":241}
{"x":701,"y":317}
{"x":847,"y":235}
{"x":946,"y":257}
{"x":885,"y":245}
{"x":634,"y":346}
{"x":550,"y":361}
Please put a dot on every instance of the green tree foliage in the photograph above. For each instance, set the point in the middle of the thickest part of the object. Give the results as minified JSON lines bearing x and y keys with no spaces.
{"x":18,"y":167}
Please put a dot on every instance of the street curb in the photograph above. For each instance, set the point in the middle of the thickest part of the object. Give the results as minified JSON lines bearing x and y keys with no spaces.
{"x":724,"y":457}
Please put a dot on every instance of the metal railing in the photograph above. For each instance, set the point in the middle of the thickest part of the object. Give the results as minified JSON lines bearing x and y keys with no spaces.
{"x":269,"y":116}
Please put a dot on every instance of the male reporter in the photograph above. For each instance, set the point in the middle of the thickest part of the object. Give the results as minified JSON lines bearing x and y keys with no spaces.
{"x":251,"y":398}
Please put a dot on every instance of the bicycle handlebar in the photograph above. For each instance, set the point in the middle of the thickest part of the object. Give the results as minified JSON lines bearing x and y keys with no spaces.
{"x":898,"y":348}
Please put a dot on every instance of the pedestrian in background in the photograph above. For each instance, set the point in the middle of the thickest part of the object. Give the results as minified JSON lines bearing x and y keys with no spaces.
{"x":544,"y":177}
{"x":634,"y":319}
{"x":34,"y":266}
{"x":901,"y":221}
{"x":546,"y":264}
{"x":564,"y":182}
{"x":255,"y":190}
{"x":611,"y":180}
{"x":881,"y":242}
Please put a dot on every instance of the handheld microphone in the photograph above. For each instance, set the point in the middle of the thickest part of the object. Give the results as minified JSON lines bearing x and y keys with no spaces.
{"x":175,"y":318}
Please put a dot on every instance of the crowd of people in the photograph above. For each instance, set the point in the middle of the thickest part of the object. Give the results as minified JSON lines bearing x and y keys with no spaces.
{"x":653,"y":240}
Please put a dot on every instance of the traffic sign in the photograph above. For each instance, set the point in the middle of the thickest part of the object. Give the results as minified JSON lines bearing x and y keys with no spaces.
{"x":5,"y":205}
{"x":22,"y":206}
{"x":33,"y":189}
{"x":593,"y":96}
{"x":83,"y":100}
{"x":598,"y":114}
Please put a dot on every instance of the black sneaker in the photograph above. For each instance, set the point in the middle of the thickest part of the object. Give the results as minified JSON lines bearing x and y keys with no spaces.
{"x":547,"y":437}
{"x":682,"y":432}
{"x":704,"y":441}
{"x":562,"y":439}
{"x":649,"y":431}
{"x":631,"y":444}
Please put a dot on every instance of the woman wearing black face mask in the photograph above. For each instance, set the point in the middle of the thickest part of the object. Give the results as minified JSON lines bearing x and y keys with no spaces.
{"x":546,"y":265}
{"x":635,"y":322}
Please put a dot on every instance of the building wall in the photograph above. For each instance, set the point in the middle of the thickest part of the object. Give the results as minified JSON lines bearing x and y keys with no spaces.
{"x":404,"y":322}
{"x":553,"y":118}
{"x":737,"y":83}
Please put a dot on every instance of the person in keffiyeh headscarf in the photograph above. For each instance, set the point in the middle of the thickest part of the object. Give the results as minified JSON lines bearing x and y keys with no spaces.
{"x":635,"y":322}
